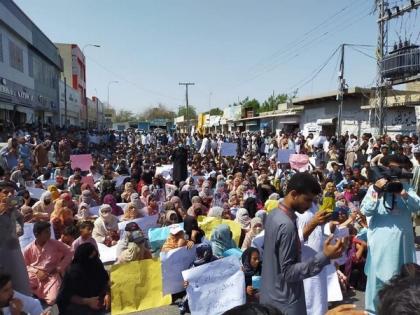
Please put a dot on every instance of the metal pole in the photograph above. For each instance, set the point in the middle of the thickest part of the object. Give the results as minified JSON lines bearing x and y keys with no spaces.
{"x":340,"y":95}
{"x":65,"y":102}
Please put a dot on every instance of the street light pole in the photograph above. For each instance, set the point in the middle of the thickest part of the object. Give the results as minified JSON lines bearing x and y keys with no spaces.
{"x":84,"y":96}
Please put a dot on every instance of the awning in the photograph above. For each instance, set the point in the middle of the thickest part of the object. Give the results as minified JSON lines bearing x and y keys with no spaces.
{"x":6,"y":106}
{"x":326,"y":121}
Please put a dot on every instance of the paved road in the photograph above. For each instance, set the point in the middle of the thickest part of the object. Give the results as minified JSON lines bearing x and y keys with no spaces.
{"x":357,"y":298}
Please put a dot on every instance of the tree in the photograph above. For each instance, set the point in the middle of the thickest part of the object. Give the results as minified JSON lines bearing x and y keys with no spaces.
{"x":123,"y":116}
{"x":192,"y":113}
{"x":273,"y":102}
{"x":216,"y":112}
{"x":159,"y":112}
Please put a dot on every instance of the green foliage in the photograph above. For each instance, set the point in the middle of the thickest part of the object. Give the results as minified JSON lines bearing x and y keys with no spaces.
{"x":159,"y":112}
{"x":216,"y":112}
{"x":192,"y":113}
{"x":273,"y":102}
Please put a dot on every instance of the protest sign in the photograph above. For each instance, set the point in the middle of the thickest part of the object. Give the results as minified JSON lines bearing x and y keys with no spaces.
{"x":158,"y":236}
{"x":237,"y":252}
{"x":145,"y":224}
{"x":215,"y":287}
{"x":208,"y":224}
{"x":228,"y":149}
{"x":137,"y":286}
{"x":35,"y":193}
{"x":28,"y":235}
{"x":418,"y":257}
{"x":283,"y":156}
{"x":120,"y":180}
{"x":107,"y":254}
{"x":174,"y":263}
{"x":83,"y":161}
{"x":164,"y":170}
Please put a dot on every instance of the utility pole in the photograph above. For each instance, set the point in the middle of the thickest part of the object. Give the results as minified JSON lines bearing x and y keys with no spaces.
{"x":186,"y":100}
{"x":380,"y":103}
{"x":340,"y":94}
{"x":65,"y":102}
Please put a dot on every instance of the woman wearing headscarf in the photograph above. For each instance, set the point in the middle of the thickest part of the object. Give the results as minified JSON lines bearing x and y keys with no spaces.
{"x":176,"y":201}
{"x":131,"y":212}
{"x":68,"y":201}
{"x":55,"y":194}
{"x":44,"y":207}
{"x":135,"y":199}
{"x":86,"y":197}
{"x":145,"y":191}
{"x":61,"y":217}
{"x":85,"y":287}
{"x":262,"y":214}
{"x":251,"y":266}
{"x":128,"y":191}
{"x":242,"y":217}
{"x":84,"y":212}
{"x":105,"y":230}
{"x":134,"y":245}
{"x":256,"y":228}
{"x":110,"y":200}
{"x":221,"y":240}
{"x":170,"y":217}
{"x":176,"y":239}
{"x":215,"y":212}
{"x":151,"y":208}
{"x":192,"y":230}
{"x":251,"y":205}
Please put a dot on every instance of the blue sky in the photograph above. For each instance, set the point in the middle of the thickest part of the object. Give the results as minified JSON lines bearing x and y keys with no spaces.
{"x":229,"y":48}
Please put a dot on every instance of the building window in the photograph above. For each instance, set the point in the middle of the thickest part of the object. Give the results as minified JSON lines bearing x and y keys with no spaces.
{"x":1,"y":47}
{"x":16,"y":56}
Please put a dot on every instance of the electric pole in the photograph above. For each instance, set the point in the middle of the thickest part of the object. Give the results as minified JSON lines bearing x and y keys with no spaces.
{"x":340,"y":94}
{"x":65,"y":102}
{"x":186,"y":100}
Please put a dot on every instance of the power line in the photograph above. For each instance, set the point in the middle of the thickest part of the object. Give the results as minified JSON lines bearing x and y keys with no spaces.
{"x":363,"y":53}
{"x":131,"y":82}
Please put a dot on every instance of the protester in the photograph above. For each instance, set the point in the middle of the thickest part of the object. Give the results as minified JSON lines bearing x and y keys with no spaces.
{"x":251,"y":265}
{"x":282,"y":272}
{"x":105,"y":229}
{"x":389,"y":210}
{"x":46,"y":260}
{"x":85,"y":286}
{"x":12,"y":302}
{"x":221,"y":240}
{"x":85,"y":231}
{"x":134,"y":246}
{"x":176,"y":239}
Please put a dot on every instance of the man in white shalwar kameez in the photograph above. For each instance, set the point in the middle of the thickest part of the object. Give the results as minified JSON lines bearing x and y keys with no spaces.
{"x":316,"y":287}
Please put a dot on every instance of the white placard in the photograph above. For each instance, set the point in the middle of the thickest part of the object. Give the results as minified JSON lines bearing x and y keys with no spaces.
{"x":145,"y":224}
{"x":35,"y":193}
{"x":120,"y":180}
{"x":164,"y":170}
{"x":215,"y":287}
{"x":107,"y":254}
{"x":173,"y":263}
{"x":228,"y":149}
{"x":418,"y":256}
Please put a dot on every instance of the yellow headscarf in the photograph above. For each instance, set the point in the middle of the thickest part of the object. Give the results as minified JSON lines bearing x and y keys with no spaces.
{"x":271,"y":204}
{"x":54,"y":192}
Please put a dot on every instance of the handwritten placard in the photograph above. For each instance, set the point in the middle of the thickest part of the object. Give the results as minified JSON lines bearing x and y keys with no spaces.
{"x":228,"y":149}
{"x":173,"y":263}
{"x":137,"y":286}
{"x":83,"y":161}
{"x":215,"y":287}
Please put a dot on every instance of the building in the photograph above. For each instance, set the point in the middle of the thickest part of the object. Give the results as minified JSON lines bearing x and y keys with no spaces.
{"x":73,"y":106}
{"x":95,"y":113}
{"x":74,"y":72}
{"x":30,"y":67}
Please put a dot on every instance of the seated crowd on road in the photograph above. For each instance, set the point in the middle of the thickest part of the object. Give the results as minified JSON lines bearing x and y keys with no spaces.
{"x":330,"y":205}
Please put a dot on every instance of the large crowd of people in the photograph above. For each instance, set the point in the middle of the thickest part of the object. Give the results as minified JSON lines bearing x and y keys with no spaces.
{"x":345,"y":206}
